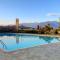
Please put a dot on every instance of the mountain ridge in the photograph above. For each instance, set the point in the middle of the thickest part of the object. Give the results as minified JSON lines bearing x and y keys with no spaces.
{"x":54,"y":24}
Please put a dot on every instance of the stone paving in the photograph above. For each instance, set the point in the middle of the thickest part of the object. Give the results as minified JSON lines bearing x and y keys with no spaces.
{"x":42,"y":52}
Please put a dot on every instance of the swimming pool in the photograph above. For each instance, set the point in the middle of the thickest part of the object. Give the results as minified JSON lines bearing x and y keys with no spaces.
{"x":11,"y":42}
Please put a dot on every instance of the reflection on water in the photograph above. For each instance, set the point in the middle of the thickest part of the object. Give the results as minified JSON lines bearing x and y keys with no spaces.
{"x":47,"y":39}
{"x":17,"y":38}
{"x":57,"y":38}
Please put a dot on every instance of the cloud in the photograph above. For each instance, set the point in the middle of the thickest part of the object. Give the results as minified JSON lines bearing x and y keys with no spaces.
{"x":53,"y":14}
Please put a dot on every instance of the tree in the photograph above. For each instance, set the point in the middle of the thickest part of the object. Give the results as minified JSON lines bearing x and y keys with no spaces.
{"x":48,"y":28}
{"x":38,"y":27}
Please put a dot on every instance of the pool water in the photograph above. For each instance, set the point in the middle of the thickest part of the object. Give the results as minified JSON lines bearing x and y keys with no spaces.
{"x":11,"y":42}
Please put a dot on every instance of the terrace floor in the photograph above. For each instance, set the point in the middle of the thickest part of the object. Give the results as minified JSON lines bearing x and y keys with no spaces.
{"x":42,"y":52}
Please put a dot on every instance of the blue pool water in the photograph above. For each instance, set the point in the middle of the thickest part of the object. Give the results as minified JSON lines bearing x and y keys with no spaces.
{"x":11,"y":42}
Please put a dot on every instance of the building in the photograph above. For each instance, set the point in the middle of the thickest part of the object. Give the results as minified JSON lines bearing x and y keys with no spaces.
{"x":17,"y":24}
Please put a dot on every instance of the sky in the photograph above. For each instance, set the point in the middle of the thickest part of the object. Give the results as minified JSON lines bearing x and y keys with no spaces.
{"x":28,"y":11}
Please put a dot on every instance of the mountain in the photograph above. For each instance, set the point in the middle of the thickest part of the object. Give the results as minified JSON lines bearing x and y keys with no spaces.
{"x":24,"y":27}
{"x":54,"y":24}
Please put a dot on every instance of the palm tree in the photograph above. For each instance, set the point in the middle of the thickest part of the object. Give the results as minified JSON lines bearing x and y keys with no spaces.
{"x":48,"y":28}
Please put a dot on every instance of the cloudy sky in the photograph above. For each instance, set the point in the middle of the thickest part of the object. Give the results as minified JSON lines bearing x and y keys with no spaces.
{"x":28,"y":11}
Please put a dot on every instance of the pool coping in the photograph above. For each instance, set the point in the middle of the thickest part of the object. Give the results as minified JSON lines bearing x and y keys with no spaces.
{"x":48,"y":35}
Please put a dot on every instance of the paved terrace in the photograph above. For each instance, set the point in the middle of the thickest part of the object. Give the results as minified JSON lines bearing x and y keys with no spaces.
{"x":42,"y":52}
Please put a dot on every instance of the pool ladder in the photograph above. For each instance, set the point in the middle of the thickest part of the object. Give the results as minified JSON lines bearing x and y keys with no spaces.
{"x":4,"y":45}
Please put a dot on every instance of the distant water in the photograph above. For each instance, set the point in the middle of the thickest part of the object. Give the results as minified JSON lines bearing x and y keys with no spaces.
{"x":11,"y":42}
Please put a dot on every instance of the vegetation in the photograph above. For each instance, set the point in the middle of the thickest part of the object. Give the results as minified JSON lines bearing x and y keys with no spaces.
{"x":47,"y":29}
{"x":56,"y":31}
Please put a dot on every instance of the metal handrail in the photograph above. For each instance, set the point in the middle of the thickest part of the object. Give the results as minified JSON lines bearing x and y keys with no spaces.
{"x":4,"y":45}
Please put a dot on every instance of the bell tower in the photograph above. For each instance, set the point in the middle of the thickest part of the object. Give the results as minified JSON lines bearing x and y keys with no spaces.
{"x":17,"y":24}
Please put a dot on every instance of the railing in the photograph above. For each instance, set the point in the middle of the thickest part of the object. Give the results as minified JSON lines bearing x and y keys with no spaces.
{"x":4,"y":45}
